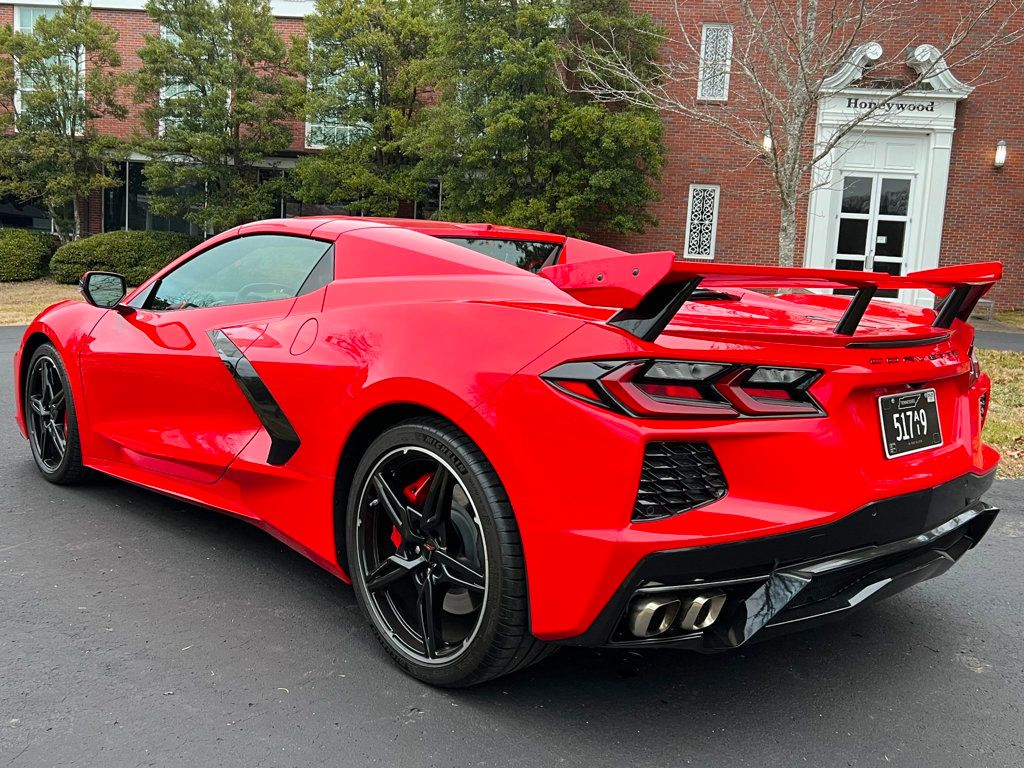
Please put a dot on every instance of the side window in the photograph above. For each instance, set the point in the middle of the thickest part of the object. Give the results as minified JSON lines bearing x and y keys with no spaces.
{"x":244,"y":271}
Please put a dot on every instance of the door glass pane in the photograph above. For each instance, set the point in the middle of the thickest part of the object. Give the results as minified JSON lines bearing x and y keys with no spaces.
{"x":888,"y":267}
{"x":894,"y":197}
{"x":241,"y":271}
{"x":856,"y":264}
{"x":853,"y":236}
{"x":889,"y":240}
{"x":857,"y":194}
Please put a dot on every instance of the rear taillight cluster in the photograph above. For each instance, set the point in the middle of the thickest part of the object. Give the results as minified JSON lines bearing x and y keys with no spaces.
{"x":688,"y":389}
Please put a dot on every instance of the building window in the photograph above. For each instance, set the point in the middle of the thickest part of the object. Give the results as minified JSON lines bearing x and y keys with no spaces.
{"x":333,"y":133}
{"x":25,"y":19}
{"x":715,"y":59}
{"x":24,"y":214}
{"x":173,"y":90}
{"x":126,"y":206}
{"x":326,"y":130}
{"x":701,"y":221}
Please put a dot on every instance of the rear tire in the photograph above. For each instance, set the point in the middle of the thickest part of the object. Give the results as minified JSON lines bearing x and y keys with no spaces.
{"x":445,"y":592}
{"x":51,"y":419}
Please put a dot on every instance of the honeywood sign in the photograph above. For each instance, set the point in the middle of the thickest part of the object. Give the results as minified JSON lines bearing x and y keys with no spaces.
{"x":863,"y":105}
{"x":911,"y":109}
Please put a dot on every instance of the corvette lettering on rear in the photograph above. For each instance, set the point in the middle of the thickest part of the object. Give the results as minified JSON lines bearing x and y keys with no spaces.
{"x":950,"y":356}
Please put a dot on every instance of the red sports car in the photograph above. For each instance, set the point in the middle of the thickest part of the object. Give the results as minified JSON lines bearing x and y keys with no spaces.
{"x":509,"y":440}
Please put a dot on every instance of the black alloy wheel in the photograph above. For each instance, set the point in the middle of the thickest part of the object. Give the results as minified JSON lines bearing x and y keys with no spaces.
{"x":422,"y":555}
{"x":47,"y":414}
{"x":50,"y":419}
{"x":435,"y":557}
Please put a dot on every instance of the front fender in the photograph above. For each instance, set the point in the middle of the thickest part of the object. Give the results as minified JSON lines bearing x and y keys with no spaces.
{"x":68,"y":326}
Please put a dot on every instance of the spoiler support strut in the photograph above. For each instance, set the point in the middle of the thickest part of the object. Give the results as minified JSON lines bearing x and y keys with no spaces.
{"x":858,"y":306}
{"x":648,"y":319}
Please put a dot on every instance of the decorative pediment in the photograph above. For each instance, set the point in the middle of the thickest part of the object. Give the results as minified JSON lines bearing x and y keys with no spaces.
{"x":926,"y":60}
{"x":852,"y":69}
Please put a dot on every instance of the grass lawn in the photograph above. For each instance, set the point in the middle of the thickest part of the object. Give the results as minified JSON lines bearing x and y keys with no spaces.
{"x":1016,"y":319}
{"x":21,"y":302}
{"x":1004,"y":427}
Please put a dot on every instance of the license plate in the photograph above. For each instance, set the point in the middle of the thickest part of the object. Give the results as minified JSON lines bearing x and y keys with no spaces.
{"x":910,"y":422}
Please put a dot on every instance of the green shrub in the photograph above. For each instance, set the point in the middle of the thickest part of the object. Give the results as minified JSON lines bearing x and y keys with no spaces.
{"x":24,"y":254}
{"x":136,"y":255}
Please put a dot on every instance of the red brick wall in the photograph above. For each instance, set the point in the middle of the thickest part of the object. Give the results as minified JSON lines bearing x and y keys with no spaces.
{"x":985,"y":206}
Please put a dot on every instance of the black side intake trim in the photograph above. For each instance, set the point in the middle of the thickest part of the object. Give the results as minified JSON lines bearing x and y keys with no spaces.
{"x":677,"y":477}
{"x":284,"y":441}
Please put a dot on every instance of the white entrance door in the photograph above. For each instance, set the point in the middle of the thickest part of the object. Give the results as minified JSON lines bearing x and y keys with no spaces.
{"x":873,"y":220}
{"x":880,"y":179}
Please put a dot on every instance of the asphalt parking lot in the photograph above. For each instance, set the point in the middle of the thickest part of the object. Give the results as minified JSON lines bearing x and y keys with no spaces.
{"x":138,"y":630}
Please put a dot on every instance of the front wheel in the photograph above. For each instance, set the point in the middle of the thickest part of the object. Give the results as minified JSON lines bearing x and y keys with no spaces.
{"x":435,"y":557}
{"x":51,"y":419}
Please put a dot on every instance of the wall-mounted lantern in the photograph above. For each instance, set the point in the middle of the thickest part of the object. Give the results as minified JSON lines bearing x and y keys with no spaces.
{"x":766,"y":143}
{"x":1000,"y":158}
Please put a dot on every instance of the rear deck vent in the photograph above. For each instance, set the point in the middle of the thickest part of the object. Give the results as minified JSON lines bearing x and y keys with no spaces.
{"x":677,"y":477}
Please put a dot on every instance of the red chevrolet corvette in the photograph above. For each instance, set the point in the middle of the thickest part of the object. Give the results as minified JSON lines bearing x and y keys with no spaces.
{"x":509,"y":440}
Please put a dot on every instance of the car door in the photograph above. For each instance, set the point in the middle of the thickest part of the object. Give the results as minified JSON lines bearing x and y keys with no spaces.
{"x":166,"y":385}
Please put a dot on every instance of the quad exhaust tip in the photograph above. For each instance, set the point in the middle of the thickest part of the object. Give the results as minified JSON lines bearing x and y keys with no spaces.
{"x":655,"y":615}
{"x":702,"y":611}
{"x":652,"y":616}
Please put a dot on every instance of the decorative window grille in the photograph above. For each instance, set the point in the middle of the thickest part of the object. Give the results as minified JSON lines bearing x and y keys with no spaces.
{"x":715,"y":59}
{"x":701,"y":221}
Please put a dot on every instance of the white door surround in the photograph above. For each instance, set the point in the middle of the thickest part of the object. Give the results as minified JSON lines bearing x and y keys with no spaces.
{"x":911,"y":137}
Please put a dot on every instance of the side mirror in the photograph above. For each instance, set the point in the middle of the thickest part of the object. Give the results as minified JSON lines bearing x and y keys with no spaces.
{"x":103,"y":289}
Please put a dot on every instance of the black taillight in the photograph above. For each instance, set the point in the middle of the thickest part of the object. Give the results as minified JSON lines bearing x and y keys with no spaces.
{"x":689,"y":389}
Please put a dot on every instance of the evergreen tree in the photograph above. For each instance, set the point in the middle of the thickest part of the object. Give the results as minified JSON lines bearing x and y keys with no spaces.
{"x":511,"y":143}
{"x":221,"y":92}
{"x":56,"y":81}
{"x":365,"y":64}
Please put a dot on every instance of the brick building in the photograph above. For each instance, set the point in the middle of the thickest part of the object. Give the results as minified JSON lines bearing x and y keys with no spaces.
{"x":923,"y":185}
{"x":126,"y":206}
{"x":936,"y":152}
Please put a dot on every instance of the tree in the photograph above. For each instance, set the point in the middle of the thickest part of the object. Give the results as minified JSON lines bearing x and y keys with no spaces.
{"x":510,"y":144}
{"x":55,"y":83}
{"x":365,"y":64}
{"x":783,"y":55}
{"x":221,"y":91}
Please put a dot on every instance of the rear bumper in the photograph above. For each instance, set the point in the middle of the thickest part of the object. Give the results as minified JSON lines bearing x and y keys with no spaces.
{"x":782,"y":583}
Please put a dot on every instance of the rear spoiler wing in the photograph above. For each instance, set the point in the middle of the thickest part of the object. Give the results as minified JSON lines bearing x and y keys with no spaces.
{"x":650,"y":288}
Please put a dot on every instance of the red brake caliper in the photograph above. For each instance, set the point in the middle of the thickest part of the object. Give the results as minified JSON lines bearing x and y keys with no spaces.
{"x":416,"y":493}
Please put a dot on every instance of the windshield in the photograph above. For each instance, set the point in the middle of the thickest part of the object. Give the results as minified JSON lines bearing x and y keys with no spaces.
{"x":525,"y":254}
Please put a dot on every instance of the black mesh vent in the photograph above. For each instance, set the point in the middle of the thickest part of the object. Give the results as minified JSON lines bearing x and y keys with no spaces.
{"x":677,"y":477}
